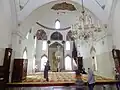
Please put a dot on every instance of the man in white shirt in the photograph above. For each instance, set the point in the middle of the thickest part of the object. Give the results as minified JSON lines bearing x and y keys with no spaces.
{"x":91,"y":79}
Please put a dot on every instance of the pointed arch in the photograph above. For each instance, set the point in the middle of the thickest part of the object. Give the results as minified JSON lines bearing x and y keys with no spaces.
{"x":68,"y":63}
{"x":41,"y":35}
{"x":25,"y":53}
{"x":44,"y":59}
{"x":55,"y":44}
{"x":69,"y":36}
{"x":57,"y":24}
{"x":56,"y":36}
{"x":94,"y":58}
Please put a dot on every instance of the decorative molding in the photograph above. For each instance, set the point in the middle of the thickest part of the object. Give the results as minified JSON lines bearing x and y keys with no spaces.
{"x":68,"y":56}
{"x":64,"y":6}
{"x":44,"y":55}
{"x":56,"y":43}
{"x":52,"y":28}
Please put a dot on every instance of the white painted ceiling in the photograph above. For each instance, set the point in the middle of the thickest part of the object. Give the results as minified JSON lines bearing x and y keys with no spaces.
{"x":48,"y":16}
{"x":93,"y":5}
{"x":39,"y":10}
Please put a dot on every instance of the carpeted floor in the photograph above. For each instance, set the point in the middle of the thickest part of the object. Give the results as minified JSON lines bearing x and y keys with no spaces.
{"x":61,"y":77}
{"x":57,"y":79}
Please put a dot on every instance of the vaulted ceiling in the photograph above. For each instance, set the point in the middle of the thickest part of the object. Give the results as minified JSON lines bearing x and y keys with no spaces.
{"x":98,"y":7}
{"x":28,"y":10}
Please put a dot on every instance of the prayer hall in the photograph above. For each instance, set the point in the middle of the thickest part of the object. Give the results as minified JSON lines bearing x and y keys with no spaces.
{"x":59,"y":45}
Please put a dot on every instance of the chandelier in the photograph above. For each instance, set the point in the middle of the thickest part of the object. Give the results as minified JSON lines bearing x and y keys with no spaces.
{"x":85,"y":28}
{"x":58,"y":53}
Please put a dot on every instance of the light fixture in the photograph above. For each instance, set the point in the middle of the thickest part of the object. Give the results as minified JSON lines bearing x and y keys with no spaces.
{"x":86,"y":28}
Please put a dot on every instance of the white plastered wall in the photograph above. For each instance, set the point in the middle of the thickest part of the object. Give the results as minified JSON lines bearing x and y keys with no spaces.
{"x":116,"y":25}
{"x":8,"y":24}
{"x":105,"y":62}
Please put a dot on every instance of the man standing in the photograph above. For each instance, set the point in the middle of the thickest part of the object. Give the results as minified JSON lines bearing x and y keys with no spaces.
{"x":46,"y":69}
{"x":91,"y":79}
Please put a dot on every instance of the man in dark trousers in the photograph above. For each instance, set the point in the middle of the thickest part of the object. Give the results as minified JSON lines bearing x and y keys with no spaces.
{"x":83,"y":71}
{"x":91,"y":79}
{"x":46,"y":69}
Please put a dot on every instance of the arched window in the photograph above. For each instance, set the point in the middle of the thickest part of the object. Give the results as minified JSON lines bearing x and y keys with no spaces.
{"x":27,"y":35}
{"x":57,"y":24}
{"x":68,"y":63}
{"x":94,"y":63}
{"x":35,"y":42}
{"x":94,"y":60}
{"x":43,"y":62}
{"x":25,"y":54}
{"x":34,"y":63}
{"x":67,"y":45}
{"x":44,"y":45}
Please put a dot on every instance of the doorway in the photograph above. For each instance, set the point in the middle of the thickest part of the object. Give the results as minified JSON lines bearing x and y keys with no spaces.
{"x":52,"y":56}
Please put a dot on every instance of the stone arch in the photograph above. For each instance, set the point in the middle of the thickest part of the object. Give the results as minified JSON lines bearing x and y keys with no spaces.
{"x":25,"y":53}
{"x":56,"y":36}
{"x":44,"y":55}
{"x":44,"y":59}
{"x":68,"y":61}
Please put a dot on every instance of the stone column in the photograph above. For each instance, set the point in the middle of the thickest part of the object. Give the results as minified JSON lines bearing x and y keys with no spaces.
{"x":38,"y":54}
{"x":16,"y":44}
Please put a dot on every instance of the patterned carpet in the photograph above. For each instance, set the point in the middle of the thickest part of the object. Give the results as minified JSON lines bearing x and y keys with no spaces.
{"x":61,"y":77}
{"x":57,"y":79}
